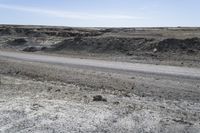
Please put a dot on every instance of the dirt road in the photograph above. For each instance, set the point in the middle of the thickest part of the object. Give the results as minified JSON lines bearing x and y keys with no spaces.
{"x":99,"y":80}
{"x":108,"y":66}
{"x":42,"y":93}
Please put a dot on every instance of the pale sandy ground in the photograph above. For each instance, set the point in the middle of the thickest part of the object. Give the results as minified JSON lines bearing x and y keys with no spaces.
{"x":43,"y":98}
{"x":37,"y":97}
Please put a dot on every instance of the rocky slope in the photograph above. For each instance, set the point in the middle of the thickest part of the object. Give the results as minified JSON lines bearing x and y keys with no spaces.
{"x":174,"y":44}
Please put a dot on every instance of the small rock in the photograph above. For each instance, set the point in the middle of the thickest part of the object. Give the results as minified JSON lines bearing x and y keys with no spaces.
{"x":190,"y":51}
{"x":17,"y":72}
{"x":49,"y":89}
{"x":130,"y":53}
{"x":99,"y":98}
{"x":155,"y":50}
{"x":31,"y":49}
{"x":58,"y":90}
{"x":36,"y":107}
{"x":127,"y":95}
{"x":116,"y":103}
{"x":17,"y":42}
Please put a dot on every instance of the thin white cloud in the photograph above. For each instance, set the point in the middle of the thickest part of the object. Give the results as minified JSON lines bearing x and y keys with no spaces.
{"x":69,"y":15}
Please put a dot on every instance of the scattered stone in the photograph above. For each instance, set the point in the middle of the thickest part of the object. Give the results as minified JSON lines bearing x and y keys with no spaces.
{"x":127,"y":95}
{"x":58,"y":90}
{"x":98,"y":98}
{"x":17,"y":42}
{"x":49,"y":89}
{"x":44,"y":48}
{"x":130,"y":53}
{"x":31,"y":49}
{"x":190,"y":51}
{"x":116,"y":103}
{"x":36,"y":107}
{"x":182,"y":121}
{"x":155,"y":50}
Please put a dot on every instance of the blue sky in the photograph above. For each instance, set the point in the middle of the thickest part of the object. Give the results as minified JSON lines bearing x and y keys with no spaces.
{"x":101,"y":13}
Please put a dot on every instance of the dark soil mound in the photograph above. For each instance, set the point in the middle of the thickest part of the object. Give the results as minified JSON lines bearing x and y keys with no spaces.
{"x":18,"y":42}
{"x":176,"y":45}
{"x":32,"y":49}
{"x":46,"y":32}
{"x":103,"y":44}
{"x":128,"y":46}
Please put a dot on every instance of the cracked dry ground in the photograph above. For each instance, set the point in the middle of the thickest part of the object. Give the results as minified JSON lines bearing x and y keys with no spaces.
{"x":29,"y":105}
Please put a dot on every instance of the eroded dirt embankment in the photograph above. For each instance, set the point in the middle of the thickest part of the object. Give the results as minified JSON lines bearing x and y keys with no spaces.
{"x":177,"y":46}
{"x":129,"y":45}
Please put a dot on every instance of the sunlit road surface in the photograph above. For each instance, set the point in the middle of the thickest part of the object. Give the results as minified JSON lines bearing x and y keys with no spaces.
{"x":107,"y":66}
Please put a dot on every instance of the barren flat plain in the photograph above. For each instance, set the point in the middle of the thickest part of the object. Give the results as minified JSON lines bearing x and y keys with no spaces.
{"x":126,"y":80}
